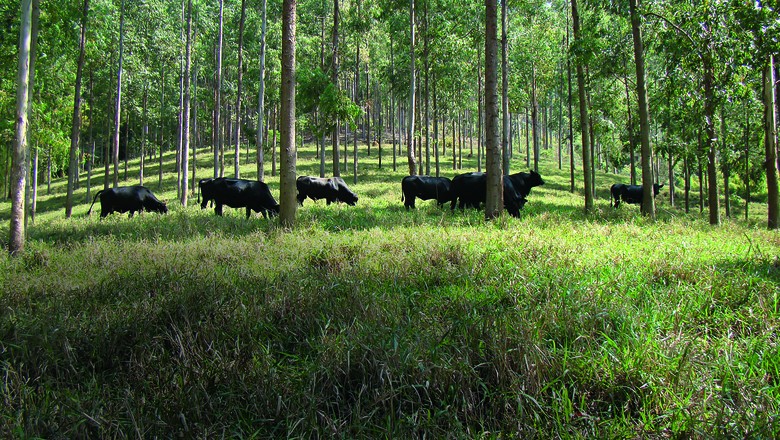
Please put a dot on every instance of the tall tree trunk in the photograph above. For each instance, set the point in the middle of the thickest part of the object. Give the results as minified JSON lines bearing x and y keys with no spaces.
{"x":356,"y":92}
{"x":709,"y":121}
{"x":427,"y":68}
{"x":586,"y":163}
{"x":494,"y":192}
{"x":335,"y":80}
{"x":392,"y":103}
{"x":413,"y":80}
{"x":161,"y":127}
{"x":436,"y":127}
{"x":18,"y":162}
{"x":144,"y":134}
{"x":630,"y":130}
{"x":91,"y":160}
{"x":239,"y":91}
{"x":648,"y":201}
{"x":504,"y":90}
{"x":275,"y":128}
{"x":770,"y":131}
{"x":36,"y":13}
{"x":261,"y":96}
{"x":75,"y":132}
{"x":34,"y":179}
{"x":287,"y":201}
{"x":185,"y":151}
{"x":218,"y":103}
{"x":535,"y":118}
{"x":118,"y":106}
{"x":747,"y":158}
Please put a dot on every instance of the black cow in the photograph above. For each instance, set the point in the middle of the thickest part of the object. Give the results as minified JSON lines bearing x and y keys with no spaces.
{"x":469,"y":189}
{"x":207,"y":187}
{"x":239,"y":193}
{"x":426,"y":188}
{"x":631,"y":194}
{"x":127,"y":198}
{"x":332,"y":189}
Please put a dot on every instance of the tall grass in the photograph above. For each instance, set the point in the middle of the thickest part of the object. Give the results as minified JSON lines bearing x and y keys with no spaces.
{"x":371,"y":321}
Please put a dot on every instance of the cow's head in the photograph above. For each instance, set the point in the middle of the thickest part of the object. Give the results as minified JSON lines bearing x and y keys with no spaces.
{"x":535,"y":179}
{"x":657,"y":188}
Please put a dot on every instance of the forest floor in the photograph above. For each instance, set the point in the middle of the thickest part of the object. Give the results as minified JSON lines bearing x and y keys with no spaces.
{"x":372,"y":321}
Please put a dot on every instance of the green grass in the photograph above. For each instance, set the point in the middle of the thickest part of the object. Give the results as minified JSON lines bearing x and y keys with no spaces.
{"x":374,"y":322}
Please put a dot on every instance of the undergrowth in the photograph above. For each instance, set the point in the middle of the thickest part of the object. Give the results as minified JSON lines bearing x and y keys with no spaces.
{"x":374,"y":322}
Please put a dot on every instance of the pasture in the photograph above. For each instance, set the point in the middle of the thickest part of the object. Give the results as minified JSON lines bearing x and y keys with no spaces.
{"x":374,"y":322}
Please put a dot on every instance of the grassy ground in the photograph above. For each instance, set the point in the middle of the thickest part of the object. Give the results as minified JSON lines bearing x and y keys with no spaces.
{"x":374,"y":322}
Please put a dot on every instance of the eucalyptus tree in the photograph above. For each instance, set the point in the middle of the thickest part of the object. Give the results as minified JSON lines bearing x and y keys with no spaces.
{"x":76,"y":126}
{"x":287,"y":201}
{"x":118,"y":101}
{"x":217,"y":143}
{"x":494,"y":195}
{"x":648,"y":203}
{"x":186,"y":118}
{"x":19,"y":166}
{"x":261,"y":91}
{"x":586,"y":163}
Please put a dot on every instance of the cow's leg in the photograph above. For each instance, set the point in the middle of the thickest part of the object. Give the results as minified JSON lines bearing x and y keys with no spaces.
{"x":248,"y":212}
{"x":218,"y":209}
{"x":453,"y":203}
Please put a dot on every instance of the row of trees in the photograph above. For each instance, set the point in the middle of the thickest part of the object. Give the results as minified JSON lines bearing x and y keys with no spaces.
{"x":134,"y":79}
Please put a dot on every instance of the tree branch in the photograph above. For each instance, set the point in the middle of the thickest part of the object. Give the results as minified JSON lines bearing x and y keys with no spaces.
{"x":678,"y":29}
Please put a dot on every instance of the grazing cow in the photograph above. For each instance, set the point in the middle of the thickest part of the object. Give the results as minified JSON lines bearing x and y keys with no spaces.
{"x":469,"y":189}
{"x":332,"y":189}
{"x":206,"y":186}
{"x":426,"y":188}
{"x":127,"y":198}
{"x":239,"y":193}
{"x":631,"y":194}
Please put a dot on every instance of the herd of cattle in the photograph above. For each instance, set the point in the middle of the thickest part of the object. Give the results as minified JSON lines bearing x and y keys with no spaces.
{"x":464,"y":190}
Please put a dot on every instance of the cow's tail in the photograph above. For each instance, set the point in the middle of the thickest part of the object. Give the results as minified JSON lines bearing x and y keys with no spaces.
{"x":93,"y":202}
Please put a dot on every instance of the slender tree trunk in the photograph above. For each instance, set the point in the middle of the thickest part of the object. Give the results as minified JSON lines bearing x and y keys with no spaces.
{"x":494,"y":196}
{"x":287,"y":202}
{"x":413,"y":80}
{"x":709,"y":121}
{"x":18,"y":163}
{"x":161,"y":127}
{"x":504,"y":90}
{"x":436,"y":127}
{"x":648,"y":201}
{"x":36,"y":13}
{"x":185,"y":152}
{"x":392,"y":103}
{"x":631,"y":140}
{"x":427,"y":68}
{"x":91,"y":160}
{"x":275,"y":128}
{"x":75,"y":132}
{"x":770,"y":131}
{"x":747,"y":159}
{"x":239,"y":91}
{"x":118,"y":106}
{"x":356,"y":92}
{"x":144,"y":135}
{"x":535,"y":118}
{"x":335,"y":81}
{"x":34,"y":185}
{"x":586,"y":163}
{"x":218,"y":103}
{"x":261,"y":96}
